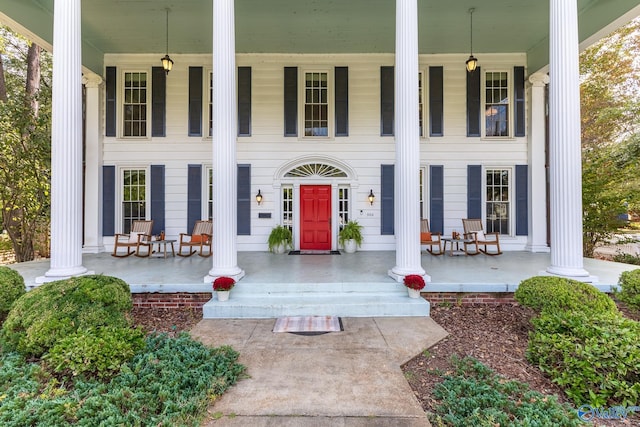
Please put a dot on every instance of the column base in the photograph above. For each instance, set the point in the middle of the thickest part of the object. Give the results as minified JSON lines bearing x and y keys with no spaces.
{"x":61,"y":274}
{"x":578,"y":274}
{"x":235,"y":273}
{"x":398,"y":274}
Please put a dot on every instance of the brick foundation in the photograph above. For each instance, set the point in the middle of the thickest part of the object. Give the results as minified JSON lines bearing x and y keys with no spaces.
{"x":175,"y":300}
{"x":462,"y":298}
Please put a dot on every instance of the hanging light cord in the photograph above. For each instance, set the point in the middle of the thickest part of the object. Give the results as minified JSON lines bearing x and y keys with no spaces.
{"x":167,"y":26}
{"x":471,"y":34}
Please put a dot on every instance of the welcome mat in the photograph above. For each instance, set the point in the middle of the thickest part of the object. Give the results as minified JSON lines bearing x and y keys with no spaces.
{"x":308,"y":324}
{"x":314,"y":252}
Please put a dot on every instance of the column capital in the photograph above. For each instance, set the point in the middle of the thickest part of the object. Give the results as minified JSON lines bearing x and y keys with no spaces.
{"x":91,"y":80}
{"x":539,"y":79}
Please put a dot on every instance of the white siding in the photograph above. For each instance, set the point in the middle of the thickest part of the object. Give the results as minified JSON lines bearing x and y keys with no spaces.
{"x":267,"y":149}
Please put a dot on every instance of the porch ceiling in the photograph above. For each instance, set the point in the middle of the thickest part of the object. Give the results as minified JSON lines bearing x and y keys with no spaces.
{"x":313,"y":26}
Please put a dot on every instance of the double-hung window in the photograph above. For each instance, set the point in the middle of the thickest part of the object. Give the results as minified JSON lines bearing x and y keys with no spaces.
{"x":134,"y":197}
{"x":497,"y":104}
{"x":135,"y":104}
{"x":287,"y":207}
{"x":343,"y":206}
{"x":316,"y":104}
{"x":498,"y":200}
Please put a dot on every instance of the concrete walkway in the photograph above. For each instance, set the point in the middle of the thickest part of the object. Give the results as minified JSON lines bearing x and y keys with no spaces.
{"x":348,"y":378}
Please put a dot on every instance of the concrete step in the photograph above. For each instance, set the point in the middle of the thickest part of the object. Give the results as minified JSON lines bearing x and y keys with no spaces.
{"x":269,"y":300}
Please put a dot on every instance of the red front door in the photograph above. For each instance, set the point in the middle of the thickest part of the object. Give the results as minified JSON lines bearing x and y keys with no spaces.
{"x":315,"y":214}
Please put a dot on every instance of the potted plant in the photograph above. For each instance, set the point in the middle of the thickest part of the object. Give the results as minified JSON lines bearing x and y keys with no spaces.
{"x":414,"y":284}
{"x":280,"y":239}
{"x":222,"y":286}
{"x":350,"y":236}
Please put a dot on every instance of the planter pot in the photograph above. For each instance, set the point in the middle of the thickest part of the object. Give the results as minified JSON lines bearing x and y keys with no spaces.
{"x":222,"y":295}
{"x":279,"y":249}
{"x":350,"y":246}
{"x":413,"y":293}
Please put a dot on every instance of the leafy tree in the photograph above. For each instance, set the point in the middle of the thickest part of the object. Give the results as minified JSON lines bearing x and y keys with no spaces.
{"x":25,"y":135}
{"x":610,"y":93}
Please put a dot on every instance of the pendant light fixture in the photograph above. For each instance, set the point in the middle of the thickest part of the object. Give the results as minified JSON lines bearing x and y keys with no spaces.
{"x":167,"y":63}
{"x":472,"y":62}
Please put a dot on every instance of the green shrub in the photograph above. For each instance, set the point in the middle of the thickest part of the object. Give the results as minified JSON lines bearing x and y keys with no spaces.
{"x":630,"y":288}
{"x":11,"y":288}
{"x":627,"y":258}
{"x":169,"y":383}
{"x":54,"y":310}
{"x":550,"y":293}
{"x":595,"y":358}
{"x":94,"y":353}
{"x":476,"y":396}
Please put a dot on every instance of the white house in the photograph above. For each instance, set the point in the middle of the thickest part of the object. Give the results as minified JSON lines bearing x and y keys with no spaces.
{"x":315,"y":106}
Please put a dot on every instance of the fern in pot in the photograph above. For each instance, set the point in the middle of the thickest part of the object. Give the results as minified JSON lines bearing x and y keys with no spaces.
{"x":280,"y":239}
{"x":350,"y":236}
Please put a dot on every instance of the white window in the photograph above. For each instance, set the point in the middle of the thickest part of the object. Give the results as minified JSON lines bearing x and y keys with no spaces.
{"x":498,"y":200}
{"x":209,"y":193}
{"x":316,"y":104}
{"x":423,"y":207}
{"x":134,"y":197}
{"x":135,"y":109}
{"x":343,"y":206}
{"x":287,"y":207}
{"x":497,"y":104}
{"x":210,"y":104}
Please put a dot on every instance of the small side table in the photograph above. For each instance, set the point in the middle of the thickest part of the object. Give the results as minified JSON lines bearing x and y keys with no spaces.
{"x":164,"y":244}
{"x":451,"y":241}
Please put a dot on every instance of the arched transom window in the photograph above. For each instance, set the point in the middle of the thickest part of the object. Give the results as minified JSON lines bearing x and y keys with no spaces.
{"x":316,"y":170}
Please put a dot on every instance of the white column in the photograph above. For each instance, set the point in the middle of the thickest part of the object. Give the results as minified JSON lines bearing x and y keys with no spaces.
{"x":407,"y":188}
{"x":66,"y":145}
{"x":537,"y":240}
{"x":93,"y":166}
{"x":564,"y":142}
{"x":225,"y":172}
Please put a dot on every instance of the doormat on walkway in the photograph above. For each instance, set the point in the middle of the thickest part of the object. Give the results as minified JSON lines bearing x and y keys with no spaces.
{"x":308,"y":324}
{"x":314,"y":252}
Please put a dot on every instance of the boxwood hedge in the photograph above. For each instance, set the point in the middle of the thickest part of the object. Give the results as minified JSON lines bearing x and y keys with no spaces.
{"x":11,"y":288}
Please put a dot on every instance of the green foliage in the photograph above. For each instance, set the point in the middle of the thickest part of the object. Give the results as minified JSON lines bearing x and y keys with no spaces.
{"x":630,"y":288}
{"x":94,"y":353}
{"x":549,"y":293}
{"x":627,"y":258}
{"x":54,"y":310}
{"x":169,"y":383}
{"x":594,"y":357}
{"x":351,"y":231}
{"x":473,"y":395}
{"x":280,"y":235}
{"x":11,"y":288}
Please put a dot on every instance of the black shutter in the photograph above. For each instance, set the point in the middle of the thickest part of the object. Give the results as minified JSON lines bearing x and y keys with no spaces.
{"x":473,"y":103}
{"x":108,"y":200}
{"x":436,"y":198}
{"x":110,"y":102}
{"x":290,"y":101}
{"x":244,"y":101}
{"x":387,"y":199}
{"x":195,"y":101}
{"x":522,"y":200}
{"x":244,"y":200}
{"x":436,"y":101}
{"x":157,"y":196}
{"x":387,"y":112}
{"x":342,"y":101}
{"x":194,"y":195}
{"x":158,"y":102}
{"x":474,"y":191}
{"x":518,"y":85}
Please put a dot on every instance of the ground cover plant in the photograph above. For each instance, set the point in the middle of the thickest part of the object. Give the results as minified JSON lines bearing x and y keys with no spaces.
{"x":474,"y":395}
{"x":96,"y":369}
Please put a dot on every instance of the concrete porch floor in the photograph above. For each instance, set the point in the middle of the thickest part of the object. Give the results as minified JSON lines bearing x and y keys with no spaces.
{"x":448,"y":274}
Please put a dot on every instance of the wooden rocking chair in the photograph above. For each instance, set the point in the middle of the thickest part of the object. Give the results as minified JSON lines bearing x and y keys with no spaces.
{"x":139,"y":236}
{"x":429,"y":238}
{"x":473,"y":231}
{"x":201,"y":237}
